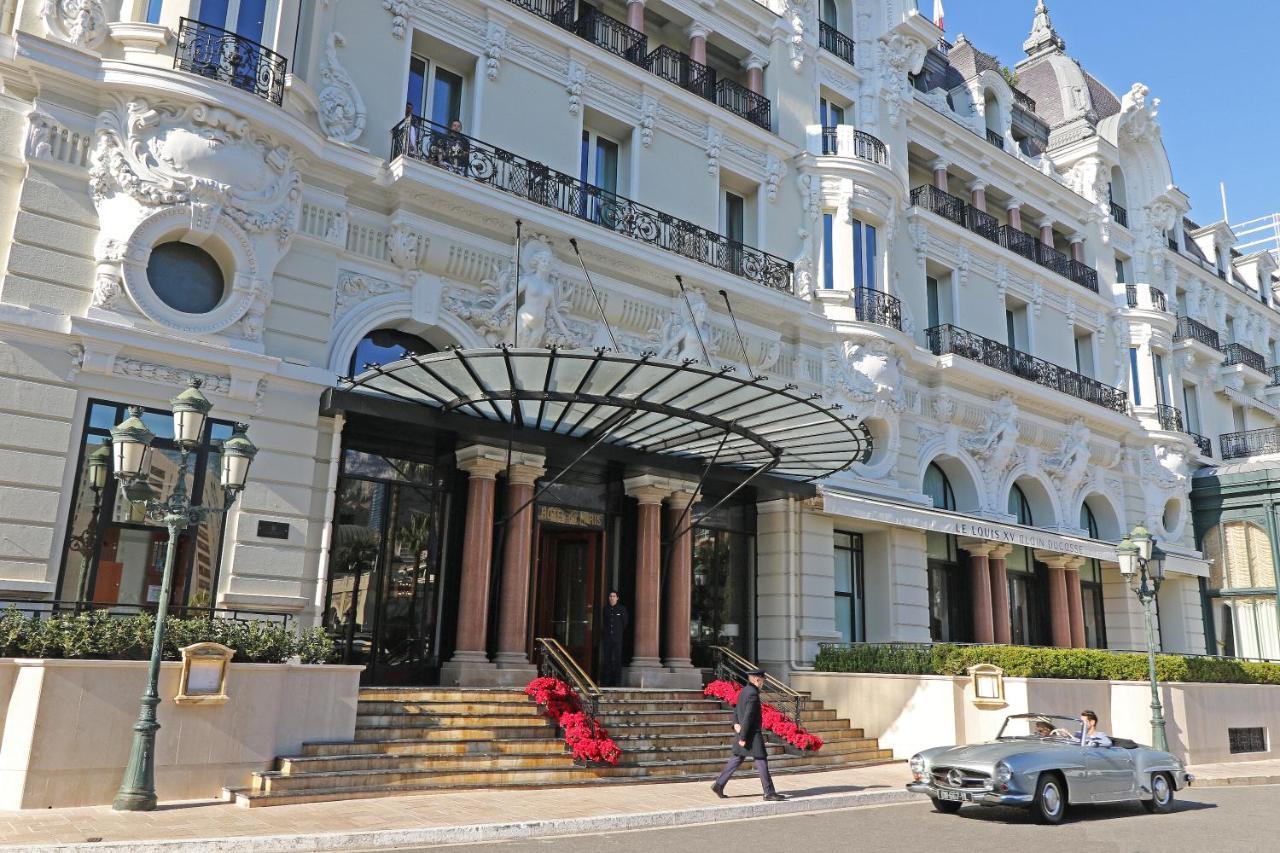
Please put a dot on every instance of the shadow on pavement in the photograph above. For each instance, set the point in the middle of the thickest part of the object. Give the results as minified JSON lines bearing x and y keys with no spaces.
{"x":1077,"y":814}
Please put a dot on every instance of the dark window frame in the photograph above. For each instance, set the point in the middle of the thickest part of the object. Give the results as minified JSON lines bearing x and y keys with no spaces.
{"x":856,"y":597}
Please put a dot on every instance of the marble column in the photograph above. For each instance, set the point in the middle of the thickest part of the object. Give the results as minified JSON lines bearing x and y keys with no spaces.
{"x":980,"y":588}
{"x":1074,"y":603}
{"x":646,"y":669}
{"x":517,"y":559}
{"x":1014,"y":210}
{"x":1077,"y":247}
{"x":678,"y":605}
{"x":755,"y":74}
{"x":940,"y":175}
{"x":635,"y":15}
{"x":470,"y":662}
{"x":1001,"y":619}
{"x":1046,"y":232}
{"x":1059,"y":610}
{"x":978,"y":190}
{"x":698,"y":42}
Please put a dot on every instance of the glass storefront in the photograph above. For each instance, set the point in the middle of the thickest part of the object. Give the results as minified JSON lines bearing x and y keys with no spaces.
{"x":723,"y":582}
{"x":1241,"y":590}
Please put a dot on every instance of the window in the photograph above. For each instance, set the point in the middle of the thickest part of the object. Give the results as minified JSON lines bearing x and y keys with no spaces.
{"x":828,"y":249}
{"x":245,"y":18}
{"x":864,"y":255}
{"x":734,"y":217}
{"x":849,"y":599}
{"x":1157,"y":365}
{"x":829,"y":13}
{"x":1135,"y":386}
{"x":1241,"y":589}
{"x":1231,"y":330}
{"x":1019,"y":507}
{"x":153,"y":11}
{"x":185,"y":277}
{"x":1238,"y":418}
{"x":948,"y":595}
{"x":124,"y":562}
{"x":723,"y":578}
{"x":435,"y":92}
{"x":384,"y":346}
{"x":1120,"y":279}
{"x":1192,"y":404}
{"x":938,"y":487}
{"x":1084,"y":352}
{"x":831,"y":114}
{"x":1095,"y":629}
{"x":931,"y":295}
{"x":598,"y":166}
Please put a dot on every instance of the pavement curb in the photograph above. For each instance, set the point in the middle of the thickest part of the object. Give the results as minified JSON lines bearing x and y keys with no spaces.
{"x":482,"y":832}
{"x":1235,"y":781}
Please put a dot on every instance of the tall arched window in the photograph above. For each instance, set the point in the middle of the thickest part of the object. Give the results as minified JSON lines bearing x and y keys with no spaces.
{"x":1095,"y":629}
{"x":383,"y":346}
{"x":1019,"y":507}
{"x":938,"y":487}
{"x":1242,"y":589}
{"x":829,"y":16}
{"x":949,"y":603}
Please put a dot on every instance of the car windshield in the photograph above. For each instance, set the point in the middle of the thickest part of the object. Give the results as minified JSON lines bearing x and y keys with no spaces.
{"x":1039,"y":727}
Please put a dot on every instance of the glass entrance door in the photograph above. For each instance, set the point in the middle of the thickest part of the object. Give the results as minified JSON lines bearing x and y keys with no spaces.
{"x":568,"y":570}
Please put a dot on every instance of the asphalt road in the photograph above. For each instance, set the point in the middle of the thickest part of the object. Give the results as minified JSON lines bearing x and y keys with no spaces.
{"x":1204,"y":821}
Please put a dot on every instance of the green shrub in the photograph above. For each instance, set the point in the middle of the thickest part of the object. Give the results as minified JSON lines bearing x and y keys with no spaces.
{"x":99,"y":635}
{"x":1039,"y":662}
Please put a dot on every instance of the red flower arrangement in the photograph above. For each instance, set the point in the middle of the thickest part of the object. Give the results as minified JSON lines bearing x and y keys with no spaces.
{"x":588,"y":740}
{"x":771,"y":718}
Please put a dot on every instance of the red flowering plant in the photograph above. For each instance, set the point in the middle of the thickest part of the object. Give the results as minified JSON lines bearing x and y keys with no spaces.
{"x":587,"y":739}
{"x":771,"y":718}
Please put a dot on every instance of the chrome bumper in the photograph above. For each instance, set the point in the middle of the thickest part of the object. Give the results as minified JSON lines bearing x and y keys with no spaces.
{"x":980,"y":797}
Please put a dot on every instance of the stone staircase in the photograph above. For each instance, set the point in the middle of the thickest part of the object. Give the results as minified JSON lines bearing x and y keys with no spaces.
{"x":423,"y":739}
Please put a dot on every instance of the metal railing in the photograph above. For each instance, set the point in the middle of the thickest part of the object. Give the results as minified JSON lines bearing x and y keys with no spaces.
{"x":830,"y":142}
{"x":425,"y":141}
{"x":1274,"y":372}
{"x":1170,"y":418}
{"x":681,"y":69}
{"x":1194,"y":330}
{"x":741,"y":101}
{"x":995,"y":139}
{"x":983,"y":224}
{"x":1241,"y":354}
{"x":863,"y":146}
{"x":1158,"y":300}
{"x":611,"y":34}
{"x":876,"y":306}
{"x":1024,"y":100}
{"x":556,"y":662}
{"x":44,"y":608}
{"x":949,"y":339}
{"x":835,"y":42}
{"x":222,"y":55}
{"x":559,"y":12}
{"x":942,"y":203}
{"x":733,"y":667}
{"x":1203,"y":444}
{"x":1020,"y":243}
{"x":1119,"y":214}
{"x":1254,"y":442}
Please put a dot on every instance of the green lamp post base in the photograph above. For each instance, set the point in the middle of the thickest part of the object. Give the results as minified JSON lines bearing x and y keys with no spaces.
{"x":138,"y":788}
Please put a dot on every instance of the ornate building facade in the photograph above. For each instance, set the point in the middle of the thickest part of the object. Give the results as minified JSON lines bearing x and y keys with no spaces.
{"x":993,"y":272}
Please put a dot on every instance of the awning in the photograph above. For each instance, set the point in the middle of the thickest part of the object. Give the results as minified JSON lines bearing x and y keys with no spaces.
{"x":850,"y":505}
{"x":684,"y":411}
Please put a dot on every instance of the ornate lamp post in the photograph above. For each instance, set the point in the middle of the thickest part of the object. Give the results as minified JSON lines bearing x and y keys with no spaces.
{"x":131,"y":443}
{"x":85,"y":543}
{"x":1142,"y":561}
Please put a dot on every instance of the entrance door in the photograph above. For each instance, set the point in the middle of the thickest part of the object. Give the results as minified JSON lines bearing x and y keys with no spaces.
{"x":567,"y":572}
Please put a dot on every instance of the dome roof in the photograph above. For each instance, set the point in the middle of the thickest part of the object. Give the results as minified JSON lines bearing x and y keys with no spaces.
{"x":1062,"y":90}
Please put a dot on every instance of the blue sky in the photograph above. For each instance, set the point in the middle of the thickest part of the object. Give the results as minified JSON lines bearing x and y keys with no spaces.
{"x":1211,"y":64}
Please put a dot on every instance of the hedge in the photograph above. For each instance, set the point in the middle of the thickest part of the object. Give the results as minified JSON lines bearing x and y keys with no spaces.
{"x":1038,"y":662}
{"x":99,"y":635}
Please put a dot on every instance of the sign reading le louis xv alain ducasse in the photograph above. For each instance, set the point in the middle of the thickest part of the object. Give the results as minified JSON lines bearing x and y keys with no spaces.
{"x":1030,"y":539}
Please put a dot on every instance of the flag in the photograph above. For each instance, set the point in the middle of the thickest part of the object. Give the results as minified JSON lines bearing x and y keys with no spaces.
{"x":937,"y":14}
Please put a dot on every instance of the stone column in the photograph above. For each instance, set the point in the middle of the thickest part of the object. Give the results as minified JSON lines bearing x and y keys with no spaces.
{"x":755,"y":73}
{"x":698,"y":42}
{"x":1077,"y":247}
{"x":980,"y":588}
{"x":978,"y":189}
{"x":1059,"y":611}
{"x":1014,"y":209}
{"x":470,"y":664}
{"x":1001,"y":623}
{"x":517,"y":558}
{"x":940,"y":174}
{"x":678,"y":605}
{"x":1046,"y":232}
{"x":1074,"y":603}
{"x":635,"y":15}
{"x":646,"y":669}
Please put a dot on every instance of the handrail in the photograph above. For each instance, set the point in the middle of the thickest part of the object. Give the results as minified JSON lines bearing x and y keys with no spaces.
{"x":557,"y":662}
{"x":731,"y":666}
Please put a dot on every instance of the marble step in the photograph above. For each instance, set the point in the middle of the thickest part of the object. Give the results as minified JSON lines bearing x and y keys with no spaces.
{"x":479,"y":731}
{"x":550,"y":742}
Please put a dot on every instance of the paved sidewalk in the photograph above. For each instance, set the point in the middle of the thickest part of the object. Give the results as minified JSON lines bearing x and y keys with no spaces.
{"x":465,"y":816}
{"x":1236,"y":773}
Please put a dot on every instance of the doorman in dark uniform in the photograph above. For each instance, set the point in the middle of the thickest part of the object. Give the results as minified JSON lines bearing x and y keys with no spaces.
{"x":616,"y":620}
{"x":749,"y":740}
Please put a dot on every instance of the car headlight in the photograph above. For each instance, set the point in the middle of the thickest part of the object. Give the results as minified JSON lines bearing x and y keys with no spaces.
{"x":1003,"y":772}
{"x":917,"y":765}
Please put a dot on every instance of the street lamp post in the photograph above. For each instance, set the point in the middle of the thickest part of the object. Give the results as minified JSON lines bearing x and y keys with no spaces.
{"x":1140,"y":559}
{"x":131,"y":452}
{"x":85,"y":543}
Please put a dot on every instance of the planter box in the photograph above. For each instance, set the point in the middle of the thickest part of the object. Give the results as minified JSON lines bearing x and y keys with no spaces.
{"x":66,"y":727}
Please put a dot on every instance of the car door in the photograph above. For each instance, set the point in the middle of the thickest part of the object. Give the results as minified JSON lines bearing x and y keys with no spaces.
{"x":1110,"y":772}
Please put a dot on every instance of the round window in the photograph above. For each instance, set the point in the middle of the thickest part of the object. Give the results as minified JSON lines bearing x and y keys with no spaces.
{"x":1172,"y":519}
{"x":185,"y":277}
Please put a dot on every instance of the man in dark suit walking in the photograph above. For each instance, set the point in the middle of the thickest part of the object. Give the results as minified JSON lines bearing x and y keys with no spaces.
{"x":750,"y":739}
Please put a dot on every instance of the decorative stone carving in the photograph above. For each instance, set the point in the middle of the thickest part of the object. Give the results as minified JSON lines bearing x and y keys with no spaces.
{"x":356,"y":287}
{"x":252,"y":322}
{"x":212,"y":383}
{"x":773,"y":171}
{"x":402,"y":248}
{"x":803,"y":265}
{"x":495,"y":41}
{"x":399,"y":10}
{"x":577,"y":79}
{"x":900,"y":55}
{"x":341,"y":109}
{"x":686,"y":330}
{"x":867,"y":372}
{"x":810,"y":189}
{"x":1070,"y":464}
{"x":79,"y":22}
{"x":107,"y":288}
{"x":714,"y":140}
{"x":539,"y":319}
{"x":39,"y":136}
{"x":797,"y":13}
{"x":1137,"y":120}
{"x":648,"y":118}
{"x":1165,"y":465}
{"x":997,"y":445}
{"x":76,"y":352}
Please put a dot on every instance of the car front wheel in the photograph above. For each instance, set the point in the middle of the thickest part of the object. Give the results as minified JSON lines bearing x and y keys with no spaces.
{"x":1050,"y":805}
{"x":1161,"y":801}
{"x":945,"y":806}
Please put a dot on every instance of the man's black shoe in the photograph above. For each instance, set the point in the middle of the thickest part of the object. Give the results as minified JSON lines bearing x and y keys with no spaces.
{"x":775,"y":798}
{"x":719,"y":792}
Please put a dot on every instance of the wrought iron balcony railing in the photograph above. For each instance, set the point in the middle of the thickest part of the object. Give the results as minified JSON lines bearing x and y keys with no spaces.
{"x":1024,"y":100}
{"x":681,"y":69}
{"x":1158,"y":299}
{"x":558,"y":12}
{"x":876,"y":306}
{"x":1254,"y":442}
{"x":942,"y":203}
{"x":1020,"y":242}
{"x":1194,"y":330}
{"x":995,"y":139}
{"x":860,"y":144}
{"x":983,"y":224}
{"x":1170,"y":418}
{"x":1154,"y":294}
{"x":611,"y":34}
{"x":947,"y":338}
{"x":1274,"y":372}
{"x":224,"y":56}
{"x":1241,"y":354}
{"x":1203,"y":444}
{"x":741,"y":101}
{"x":422,"y":140}
{"x":1119,"y":214}
{"x":835,"y":42}
{"x":830,"y":143}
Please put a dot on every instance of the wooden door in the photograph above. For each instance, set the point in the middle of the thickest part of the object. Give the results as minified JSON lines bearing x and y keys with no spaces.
{"x":568,"y":569}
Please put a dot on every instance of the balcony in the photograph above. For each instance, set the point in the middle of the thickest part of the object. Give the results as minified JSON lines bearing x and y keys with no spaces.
{"x":1203,"y":444}
{"x":1119,"y":214}
{"x":835,"y":42}
{"x":949,"y":339}
{"x":679,"y":68}
{"x":218,"y":54}
{"x":845,"y":141}
{"x":741,"y":101}
{"x":876,"y":306}
{"x":940,"y":202}
{"x":1254,"y":442}
{"x":1241,"y":354}
{"x":611,"y":34}
{"x":1024,"y":100}
{"x":1274,"y":373}
{"x":1193,"y":330}
{"x":1155,"y":297}
{"x":1170,"y":418}
{"x":995,"y":139}
{"x":421,"y":140}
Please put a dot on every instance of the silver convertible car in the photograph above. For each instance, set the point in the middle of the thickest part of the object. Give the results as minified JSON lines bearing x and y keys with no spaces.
{"x":1038,"y":761}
